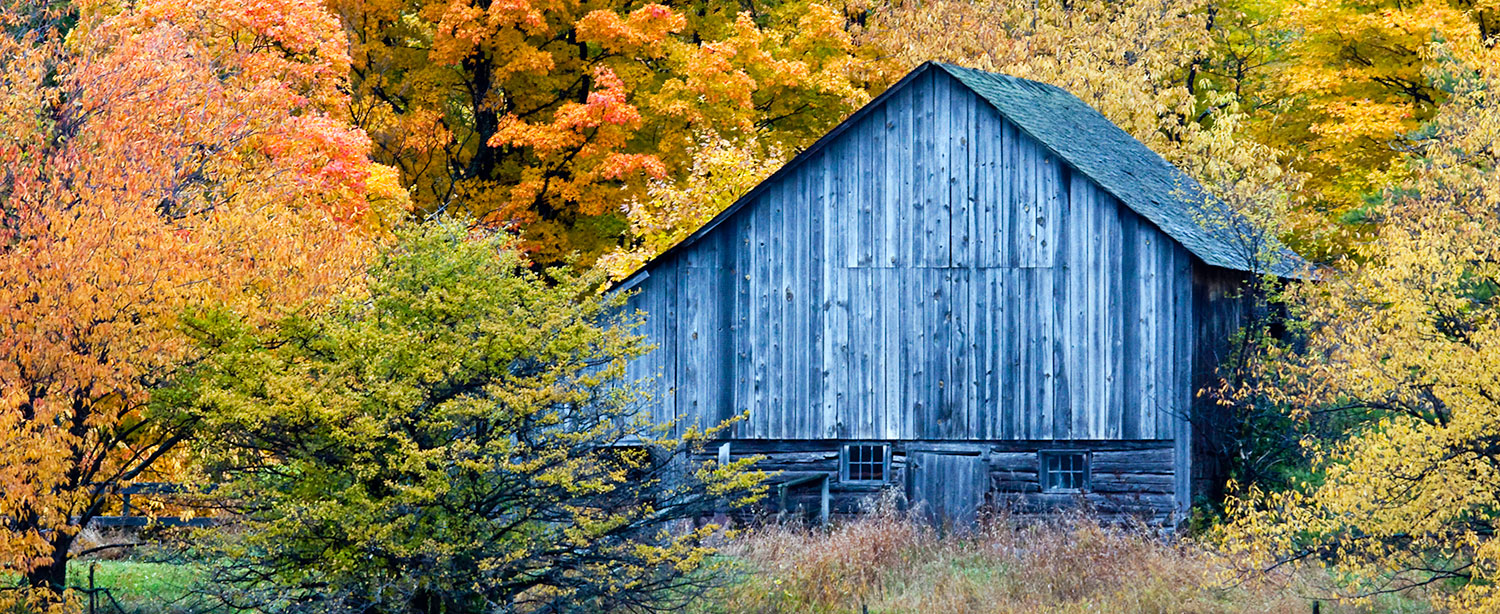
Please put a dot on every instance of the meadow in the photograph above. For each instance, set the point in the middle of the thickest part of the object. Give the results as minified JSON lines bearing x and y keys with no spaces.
{"x":886,"y":563}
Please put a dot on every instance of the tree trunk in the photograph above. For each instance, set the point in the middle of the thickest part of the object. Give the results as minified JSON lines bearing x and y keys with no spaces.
{"x":53,"y":575}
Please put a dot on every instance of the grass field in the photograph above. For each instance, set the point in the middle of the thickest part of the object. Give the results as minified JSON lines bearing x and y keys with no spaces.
{"x":884,"y":564}
{"x":138,"y":587}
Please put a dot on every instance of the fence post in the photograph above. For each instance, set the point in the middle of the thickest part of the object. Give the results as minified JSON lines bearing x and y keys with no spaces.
{"x":823,"y":502}
{"x":93,"y":595}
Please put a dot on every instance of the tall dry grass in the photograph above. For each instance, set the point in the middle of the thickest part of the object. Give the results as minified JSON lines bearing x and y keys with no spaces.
{"x":886,"y":562}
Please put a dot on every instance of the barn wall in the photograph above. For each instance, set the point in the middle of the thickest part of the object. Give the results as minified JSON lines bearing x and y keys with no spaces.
{"x":930,"y":273}
{"x":1127,"y":478}
{"x":1220,"y":305}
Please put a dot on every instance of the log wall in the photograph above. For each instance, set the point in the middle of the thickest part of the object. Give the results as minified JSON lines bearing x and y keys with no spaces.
{"x":1128,"y":479}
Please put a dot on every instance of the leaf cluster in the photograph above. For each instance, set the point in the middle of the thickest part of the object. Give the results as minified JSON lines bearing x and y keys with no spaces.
{"x":454,"y":439}
{"x":545,"y":117}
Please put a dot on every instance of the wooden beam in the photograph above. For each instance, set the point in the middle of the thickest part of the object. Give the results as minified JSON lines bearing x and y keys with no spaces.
{"x":823,"y":504}
{"x":822,"y":478}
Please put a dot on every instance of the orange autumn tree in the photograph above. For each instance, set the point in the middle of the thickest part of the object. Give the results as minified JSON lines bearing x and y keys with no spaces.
{"x":547,"y":117}
{"x":153,"y":158}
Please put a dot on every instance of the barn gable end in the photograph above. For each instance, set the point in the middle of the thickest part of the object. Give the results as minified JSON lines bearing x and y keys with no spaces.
{"x":932,"y":274}
{"x":905,"y":282}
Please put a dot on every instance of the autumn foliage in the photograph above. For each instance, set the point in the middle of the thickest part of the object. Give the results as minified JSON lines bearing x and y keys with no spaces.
{"x":155,"y":156}
{"x":1404,"y":346}
{"x":545,"y":117}
{"x":1341,"y":96}
{"x":456,"y":439}
{"x":252,"y":159}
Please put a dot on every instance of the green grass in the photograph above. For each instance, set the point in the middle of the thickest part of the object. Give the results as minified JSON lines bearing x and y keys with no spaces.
{"x":138,"y":587}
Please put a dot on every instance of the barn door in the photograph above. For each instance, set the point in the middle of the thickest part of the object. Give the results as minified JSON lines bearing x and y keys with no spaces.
{"x":947,"y":488}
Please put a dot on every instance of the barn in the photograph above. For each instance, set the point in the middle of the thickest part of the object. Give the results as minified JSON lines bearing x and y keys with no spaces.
{"x":976,"y":290}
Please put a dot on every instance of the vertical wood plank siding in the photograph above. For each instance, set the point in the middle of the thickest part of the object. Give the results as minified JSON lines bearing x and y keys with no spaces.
{"x":933,"y":273}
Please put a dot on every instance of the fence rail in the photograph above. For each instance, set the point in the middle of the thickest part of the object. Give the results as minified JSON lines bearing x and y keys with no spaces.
{"x":127,"y":519}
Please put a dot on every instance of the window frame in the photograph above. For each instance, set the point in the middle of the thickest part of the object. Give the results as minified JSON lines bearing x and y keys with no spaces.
{"x":1044,"y":474}
{"x":885,"y":462}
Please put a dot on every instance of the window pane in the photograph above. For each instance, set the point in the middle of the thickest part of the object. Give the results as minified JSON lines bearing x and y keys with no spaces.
{"x":865,"y":462}
{"x":1064,"y":471}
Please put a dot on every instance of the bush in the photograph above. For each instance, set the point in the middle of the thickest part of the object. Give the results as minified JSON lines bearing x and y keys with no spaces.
{"x":457,"y":437}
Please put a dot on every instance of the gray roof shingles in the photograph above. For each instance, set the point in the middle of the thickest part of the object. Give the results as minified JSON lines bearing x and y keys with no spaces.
{"x":1122,"y":165}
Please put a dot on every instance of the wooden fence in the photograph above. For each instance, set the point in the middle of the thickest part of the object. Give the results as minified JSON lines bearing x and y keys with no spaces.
{"x":129,"y":518}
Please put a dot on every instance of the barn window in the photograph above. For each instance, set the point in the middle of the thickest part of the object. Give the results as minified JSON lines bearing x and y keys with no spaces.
{"x":862,"y":462}
{"x":1064,"y":471}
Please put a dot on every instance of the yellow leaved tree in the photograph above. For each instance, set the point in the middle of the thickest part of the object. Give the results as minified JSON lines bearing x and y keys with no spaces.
{"x":456,"y":437}
{"x":1404,"y":347}
{"x":1347,"y":84}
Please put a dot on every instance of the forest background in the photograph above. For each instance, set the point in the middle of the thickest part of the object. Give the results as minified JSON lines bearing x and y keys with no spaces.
{"x":183,"y":180}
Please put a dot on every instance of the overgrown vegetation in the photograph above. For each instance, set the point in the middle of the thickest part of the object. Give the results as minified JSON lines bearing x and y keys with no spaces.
{"x":887,"y":563}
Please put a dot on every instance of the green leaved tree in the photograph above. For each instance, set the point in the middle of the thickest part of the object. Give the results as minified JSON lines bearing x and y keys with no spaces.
{"x":454,"y":438}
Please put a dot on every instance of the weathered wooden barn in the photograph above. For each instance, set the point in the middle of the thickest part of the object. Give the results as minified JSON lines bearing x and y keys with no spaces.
{"x":976,"y":289}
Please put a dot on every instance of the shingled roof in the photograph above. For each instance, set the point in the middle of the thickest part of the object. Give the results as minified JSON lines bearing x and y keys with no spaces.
{"x":1094,"y":146}
{"x":1122,"y":165}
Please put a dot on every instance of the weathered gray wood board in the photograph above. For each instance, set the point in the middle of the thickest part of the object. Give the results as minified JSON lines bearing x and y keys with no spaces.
{"x":948,"y":489}
{"x":1218,"y":298}
{"x":933,"y":273}
{"x":1128,"y":479}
